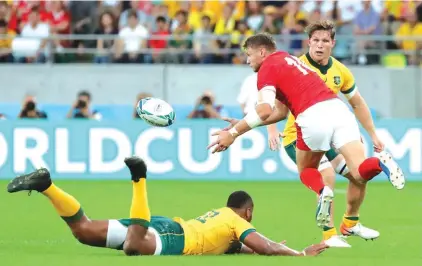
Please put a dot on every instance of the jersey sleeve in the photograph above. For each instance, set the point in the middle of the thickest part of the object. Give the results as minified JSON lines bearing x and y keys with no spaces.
{"x":242,"y":228}
{"x":267,"y":77}
{"x":349,"y":85}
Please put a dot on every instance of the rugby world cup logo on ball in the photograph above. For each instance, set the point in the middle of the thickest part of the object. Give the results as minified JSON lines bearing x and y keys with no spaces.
{"x":156,"y":112}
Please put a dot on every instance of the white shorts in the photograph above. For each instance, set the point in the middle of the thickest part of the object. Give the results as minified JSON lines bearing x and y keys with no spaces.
{"x":116,"y":236}
{"x":326,"y":125}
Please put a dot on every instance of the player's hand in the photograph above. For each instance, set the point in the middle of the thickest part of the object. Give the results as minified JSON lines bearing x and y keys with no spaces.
{"x":232,"y":122}
{"x":274,"y":140}
{"x":378,"y":144}
{"x":224,"y":140}
{"x":315,"y":250}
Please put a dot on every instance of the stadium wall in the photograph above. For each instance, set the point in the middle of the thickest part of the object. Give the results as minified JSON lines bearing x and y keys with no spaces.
{"x":394,"y":93}
{"x":95,"y":150}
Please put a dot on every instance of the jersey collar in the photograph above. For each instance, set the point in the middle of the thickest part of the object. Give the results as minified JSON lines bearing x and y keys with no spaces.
{"x":321,"y":68}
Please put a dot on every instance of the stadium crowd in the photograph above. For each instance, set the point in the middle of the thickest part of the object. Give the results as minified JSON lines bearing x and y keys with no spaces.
{"x":196,"y":31}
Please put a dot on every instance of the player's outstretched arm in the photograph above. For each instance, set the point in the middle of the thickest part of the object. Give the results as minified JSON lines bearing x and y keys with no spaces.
{"x":264,"y":246}
{"x":363,"y":114}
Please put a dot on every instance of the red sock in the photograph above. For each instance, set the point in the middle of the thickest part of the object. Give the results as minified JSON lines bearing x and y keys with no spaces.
{"x":312,"y":178}
{"x":370,"y":168}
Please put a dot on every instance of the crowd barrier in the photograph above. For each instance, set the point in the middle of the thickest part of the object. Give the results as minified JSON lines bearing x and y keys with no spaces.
{"x":96,"y":150}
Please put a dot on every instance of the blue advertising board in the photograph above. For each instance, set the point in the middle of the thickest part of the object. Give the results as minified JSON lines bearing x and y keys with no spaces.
{"x":96,"y":150}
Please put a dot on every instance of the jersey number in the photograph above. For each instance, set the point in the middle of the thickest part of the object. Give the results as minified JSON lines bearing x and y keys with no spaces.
{"x":294,"y":61}
{"x":203,"y":218}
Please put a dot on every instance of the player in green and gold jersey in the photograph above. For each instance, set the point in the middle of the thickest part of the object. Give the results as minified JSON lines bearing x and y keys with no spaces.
{"x":339,"y":79}
{"x":220,"y":231}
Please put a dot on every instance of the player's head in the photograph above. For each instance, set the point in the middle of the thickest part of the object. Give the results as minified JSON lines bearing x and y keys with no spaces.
{"x":257,"y":48}
{"x":321,"y":39}
{"x":241,"y":202}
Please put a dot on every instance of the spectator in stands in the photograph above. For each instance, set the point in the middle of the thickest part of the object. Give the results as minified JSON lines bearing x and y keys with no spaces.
{"x":179,"y":45}
{"x":298,"y":45}
{"x":6,"y":43}
{"x":29,"y":109}
{"x":238,"y":8}
{"x":206,"y":108}
{"x":82,"y":107}
{"x":134,"y":7}
{"x":238,"y":37}
{"x":158,"y":11}
{"x":140,"y":96}
{"x":158,"y":45}
{"x":27,"y":48}
{"x":108,"y":28}
{"x":255,"y":18}
{"x":60,"y":25}
{"x":410,"y":28}
{"x":133,"y":38}
{"x":271,"y":23}
{"x":83,"y":21}
{"x":198,"y":10}
{"x":294,"y":13}
{"x":419,"y":10}
{"x":114,"y":6}
{"x":23,"y":10}
{"x":203,"y":44}
{"x":367,"y":22}
{"x":248,"y":95}
{"x":5,"y":12}
{"x":224,"y":28}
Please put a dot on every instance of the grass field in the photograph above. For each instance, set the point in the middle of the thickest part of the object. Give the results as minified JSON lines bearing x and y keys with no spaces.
{"x":32,"y":234}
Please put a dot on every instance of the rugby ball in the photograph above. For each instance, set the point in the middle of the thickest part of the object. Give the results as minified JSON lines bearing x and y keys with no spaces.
{"x":156,"y":112}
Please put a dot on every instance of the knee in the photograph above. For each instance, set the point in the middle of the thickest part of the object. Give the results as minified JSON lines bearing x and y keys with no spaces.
{"x":81,"y":233}
{"x":130,"y":248}
{"x":358,"y":180}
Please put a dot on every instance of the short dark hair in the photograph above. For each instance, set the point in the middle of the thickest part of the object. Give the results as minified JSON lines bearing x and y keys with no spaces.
{"x":260,"y":39}
{"x":239,"y":199}
{"x":35,"y":9}
{"x":182,"y":12}
{"x":325,"y":25}
{"x":3,"y":23}
{"x":206,"y":17}
{"x":85,"y":93}
{"x":132,"y":13}
{"x":161,"y":19}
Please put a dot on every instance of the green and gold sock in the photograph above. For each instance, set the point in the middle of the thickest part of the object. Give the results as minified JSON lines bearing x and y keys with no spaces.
{"x":66,"y":205}
{"x":328,"y":232}
{"x":139,"y":210}
{"x":350,"y":221}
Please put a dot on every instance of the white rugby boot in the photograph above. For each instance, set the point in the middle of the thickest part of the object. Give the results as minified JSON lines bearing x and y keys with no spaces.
{"x":323,"y":216}
{"x":392,"y":170}
{"x":337,"y":242}
{"x":360,"y":231}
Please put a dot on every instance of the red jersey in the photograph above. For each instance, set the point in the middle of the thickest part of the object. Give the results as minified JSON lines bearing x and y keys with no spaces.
{"x":297,"y":86}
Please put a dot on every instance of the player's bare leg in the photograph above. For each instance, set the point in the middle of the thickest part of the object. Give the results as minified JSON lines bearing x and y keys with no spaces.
{"x":139,"y":241}
{"x":363,"y":170}
{"x":86,"y":231}
{"x":355,"y":195}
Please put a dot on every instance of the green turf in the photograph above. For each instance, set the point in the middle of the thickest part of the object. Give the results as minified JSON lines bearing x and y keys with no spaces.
{"x":32,"y":234}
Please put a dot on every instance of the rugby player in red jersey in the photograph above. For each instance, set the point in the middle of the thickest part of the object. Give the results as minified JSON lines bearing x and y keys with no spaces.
{"x":322,"y":121}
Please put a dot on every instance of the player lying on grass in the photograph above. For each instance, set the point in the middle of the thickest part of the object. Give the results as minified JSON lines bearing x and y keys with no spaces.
{"x":224,"y":230}
{"x":338,"y":78}
{"x":323,"y":121}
